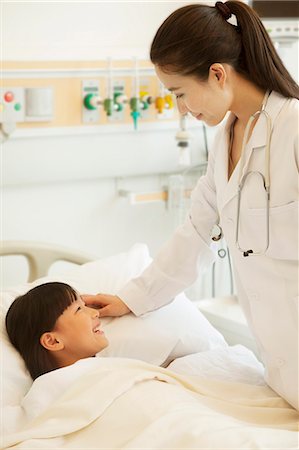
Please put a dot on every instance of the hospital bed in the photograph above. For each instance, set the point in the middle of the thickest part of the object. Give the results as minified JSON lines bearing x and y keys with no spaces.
{"x":168,"y":379}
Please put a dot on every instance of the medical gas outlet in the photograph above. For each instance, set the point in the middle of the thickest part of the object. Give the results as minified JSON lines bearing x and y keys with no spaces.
{"x":135,"y":110}
{"x":91,"y":101}
{"x":164,"y":103}
{"x":115,"y":104}
{"x":119,"y":101}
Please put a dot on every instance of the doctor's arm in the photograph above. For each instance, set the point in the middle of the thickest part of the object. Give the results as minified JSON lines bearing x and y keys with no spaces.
{"x":178,"y":262}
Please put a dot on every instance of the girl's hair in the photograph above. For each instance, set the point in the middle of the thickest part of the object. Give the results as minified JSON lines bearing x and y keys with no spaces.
{"x":31,"y":315}
{"x":195,"y":36}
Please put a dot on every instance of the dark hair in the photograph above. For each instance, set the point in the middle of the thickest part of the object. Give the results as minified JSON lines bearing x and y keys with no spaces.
{"x":195,"y":36}
{"x":31,"y":315}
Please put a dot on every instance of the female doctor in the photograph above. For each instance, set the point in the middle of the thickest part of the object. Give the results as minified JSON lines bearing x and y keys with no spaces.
{"x":215,"y":60}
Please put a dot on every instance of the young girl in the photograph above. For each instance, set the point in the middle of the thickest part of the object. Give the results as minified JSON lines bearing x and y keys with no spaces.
{"x":51,"y":327}
{"x":218,"y":59}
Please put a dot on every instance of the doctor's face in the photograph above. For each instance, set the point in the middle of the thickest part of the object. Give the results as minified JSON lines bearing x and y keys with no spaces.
{"x":208,"y":100}
{"x":78,"y":330}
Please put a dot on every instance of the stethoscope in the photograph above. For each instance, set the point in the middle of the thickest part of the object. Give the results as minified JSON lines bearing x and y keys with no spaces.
{"x":242,"y":180}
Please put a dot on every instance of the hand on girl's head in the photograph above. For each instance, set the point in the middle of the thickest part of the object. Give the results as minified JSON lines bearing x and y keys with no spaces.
{"x":92,"y":300}
{"x":96,"y":301}
{"x":110,"y":305}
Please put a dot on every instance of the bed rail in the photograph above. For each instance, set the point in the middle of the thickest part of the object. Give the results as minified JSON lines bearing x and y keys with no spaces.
{"x":40,"y":255}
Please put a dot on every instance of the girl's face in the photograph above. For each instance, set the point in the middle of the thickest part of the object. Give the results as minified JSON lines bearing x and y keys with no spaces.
{"x":208,"y":100}
{"x":78,"y":329}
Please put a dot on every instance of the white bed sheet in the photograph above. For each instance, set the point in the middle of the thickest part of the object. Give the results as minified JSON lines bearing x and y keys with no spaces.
{"x":124,"y":403}
{"x":233,"y":364}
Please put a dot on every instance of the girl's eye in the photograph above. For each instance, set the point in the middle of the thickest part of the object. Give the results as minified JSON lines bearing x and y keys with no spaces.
{"x":179,"y":96}
{"x":79,"y":308}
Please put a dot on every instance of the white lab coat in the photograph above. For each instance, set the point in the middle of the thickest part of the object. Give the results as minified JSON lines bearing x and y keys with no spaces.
{"x":267,"y":285}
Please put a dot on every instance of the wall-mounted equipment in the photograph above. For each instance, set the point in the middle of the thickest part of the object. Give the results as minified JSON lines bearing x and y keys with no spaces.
{"x":91,"y":101}
{"x":146,"y":100}
{"x":120,"y":99}
{"x":164,"y":104}
{"x":44,"y":95}
{"x":135,"y":99}
{"x":12,"y":108}
{"x":12,"y":104}
{"x":39,"y":104}
{"x":183,"y":141}
{"x":19,"y":105}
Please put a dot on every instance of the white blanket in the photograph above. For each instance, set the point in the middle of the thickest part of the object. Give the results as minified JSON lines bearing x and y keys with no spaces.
{"x":124,"y":404}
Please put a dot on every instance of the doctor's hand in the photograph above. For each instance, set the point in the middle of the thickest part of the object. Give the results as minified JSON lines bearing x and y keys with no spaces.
{"x":109,"y":305}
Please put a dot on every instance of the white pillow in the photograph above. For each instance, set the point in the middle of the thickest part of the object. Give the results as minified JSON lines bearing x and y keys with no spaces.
{"x":157,"y":337}
{"x":15,"y":379}
{"x":236,"y":364}
{"x":160,"y":336}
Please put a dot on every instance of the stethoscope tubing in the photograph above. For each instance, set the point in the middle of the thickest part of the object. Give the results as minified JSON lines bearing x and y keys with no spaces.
{"x":265,"y":179}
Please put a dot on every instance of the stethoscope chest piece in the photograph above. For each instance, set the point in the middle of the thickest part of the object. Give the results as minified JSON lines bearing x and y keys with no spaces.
{"x":216,"y":233}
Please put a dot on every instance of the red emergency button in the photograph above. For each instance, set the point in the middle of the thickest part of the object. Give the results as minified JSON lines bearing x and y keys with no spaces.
{"x":8,"y":97}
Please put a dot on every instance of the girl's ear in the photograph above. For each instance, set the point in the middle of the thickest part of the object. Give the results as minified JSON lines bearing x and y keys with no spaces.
{"x":50,"y":342}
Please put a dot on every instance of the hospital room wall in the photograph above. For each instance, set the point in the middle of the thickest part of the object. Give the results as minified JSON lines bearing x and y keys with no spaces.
{"x":84,"y":212}
{"x":78,"y":30}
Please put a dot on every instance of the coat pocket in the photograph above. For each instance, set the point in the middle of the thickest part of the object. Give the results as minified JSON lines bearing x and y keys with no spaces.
{"x":283,"y":230}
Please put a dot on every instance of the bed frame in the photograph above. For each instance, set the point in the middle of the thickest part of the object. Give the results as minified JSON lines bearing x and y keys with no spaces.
{"x":40,"y":255}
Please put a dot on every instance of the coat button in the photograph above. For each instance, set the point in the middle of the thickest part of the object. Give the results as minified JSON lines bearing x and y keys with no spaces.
{"x":279,"y":362}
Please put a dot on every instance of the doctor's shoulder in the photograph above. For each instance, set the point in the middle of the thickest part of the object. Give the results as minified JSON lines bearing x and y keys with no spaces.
{"x":289,"y":114}
{"x":286,"y":127}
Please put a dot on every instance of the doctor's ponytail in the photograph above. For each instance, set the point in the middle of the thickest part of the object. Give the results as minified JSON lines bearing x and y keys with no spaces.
{"x":259,"y":58}
{"x":195,"y":36}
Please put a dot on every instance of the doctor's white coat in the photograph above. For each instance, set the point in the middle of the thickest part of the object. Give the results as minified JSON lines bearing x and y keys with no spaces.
{"x":267,"y":285}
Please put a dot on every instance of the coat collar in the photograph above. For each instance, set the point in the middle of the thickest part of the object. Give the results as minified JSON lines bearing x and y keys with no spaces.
{"x":258,"y":138}
{"x":273,"y":107}
{"x":228,"y":189}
